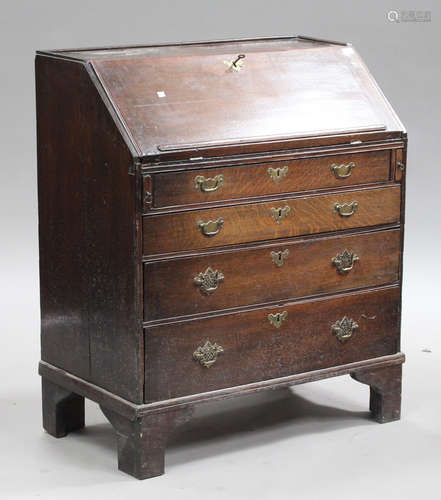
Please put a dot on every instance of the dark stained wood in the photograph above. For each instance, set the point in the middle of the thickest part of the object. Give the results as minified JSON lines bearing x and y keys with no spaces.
{"x":385,"y":391}
{"x":269,"y":99}
{"x":122,"y":134}
{"x":173,"y":189}
{"x":270,"y":156}
{"x":133,"y":411}
{"x":267,"y":43}
{"x":399,"y":165}
{"x":253,"y":222}
{"x":90,"y":310}
{"x":256,"y":350}
{"x":81,"y":387}
{"x":141,"y":442}
{"x":63,"y":411}
{"x":147,"y":192}
{"x":275,"y":147}
{"x":251,"y":277}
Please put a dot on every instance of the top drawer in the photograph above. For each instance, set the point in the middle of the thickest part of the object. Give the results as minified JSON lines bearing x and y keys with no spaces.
{"x":242,"y":181}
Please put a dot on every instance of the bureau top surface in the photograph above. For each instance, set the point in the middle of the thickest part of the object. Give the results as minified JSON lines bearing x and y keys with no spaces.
{"x":189,"y":97}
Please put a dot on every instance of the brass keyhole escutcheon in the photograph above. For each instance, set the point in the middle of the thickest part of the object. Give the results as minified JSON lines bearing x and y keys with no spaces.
{"x":278,"y":214}
{"x":278,"y":318}
{"x":278,"y":174}
{"x":279,"y":257}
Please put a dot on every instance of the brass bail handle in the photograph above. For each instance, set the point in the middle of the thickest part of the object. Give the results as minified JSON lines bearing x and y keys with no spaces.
{"x":238,"y":58}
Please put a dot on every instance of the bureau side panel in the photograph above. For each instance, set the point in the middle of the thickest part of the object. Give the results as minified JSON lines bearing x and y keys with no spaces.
{"x":89,"y":263}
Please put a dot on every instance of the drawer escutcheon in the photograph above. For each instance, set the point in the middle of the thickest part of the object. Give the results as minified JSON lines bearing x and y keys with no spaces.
{"x":208,"y":353}
{"x":278,"y":214}
{"x":344,"y":328}
{"x":279,"y":257}
{"x":342,"y":171}
{"x":344,"y":261}
{"x":208,"y":184}
{"x":209,"y":280}
{"x":346,"y":209}
{"x":278,"y":174}
{"x":278,"y":318}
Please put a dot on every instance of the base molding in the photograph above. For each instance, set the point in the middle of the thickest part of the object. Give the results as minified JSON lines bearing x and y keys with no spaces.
{"x":142,"y":430}
{"x":132,"y":411}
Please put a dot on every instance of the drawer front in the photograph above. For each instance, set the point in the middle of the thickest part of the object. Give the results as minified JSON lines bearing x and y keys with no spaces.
{"x":266,"y":221}
{"x":251,"y":276}
{"x":310,"y":335}
{"x":201,"y":186}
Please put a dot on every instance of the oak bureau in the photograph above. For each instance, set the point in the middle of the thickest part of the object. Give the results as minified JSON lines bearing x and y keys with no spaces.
{"x":215,"y":219}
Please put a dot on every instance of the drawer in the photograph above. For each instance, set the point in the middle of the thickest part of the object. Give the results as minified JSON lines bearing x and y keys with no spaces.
{"x":301,"y":337}
{"x":266,"y":221}
{"x":287,"y":270}
{"x":213,"y":184}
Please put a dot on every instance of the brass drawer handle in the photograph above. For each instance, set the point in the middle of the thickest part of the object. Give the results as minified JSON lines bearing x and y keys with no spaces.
{"x":344,"y":328}
{"x":342,"y":171}
{"x":278,"y":214}
{"x":208,"y":353}
{"x":209,"y":280}
{"x":278,"y":258}
{"x":212,"y":227}
{"x":278,"y":174}
{"x":209,"y":184}
{"x":346,"y":209}
{"x":345,"y":261}
{"x":278,"y":318}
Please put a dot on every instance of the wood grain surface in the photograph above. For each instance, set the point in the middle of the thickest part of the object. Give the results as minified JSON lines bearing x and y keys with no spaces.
{"x":193,"y":100}
{"x":251,"y":277}
{"x":89,"y":258}
{"x":179,"y":188}
{"x":256,"y":350}
{"x":254,"y":222}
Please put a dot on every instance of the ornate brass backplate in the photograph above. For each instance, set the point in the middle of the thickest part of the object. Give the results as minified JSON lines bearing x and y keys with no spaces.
{"x":344,"y":261}
{"x":278,"y":318}
{"x":209,"y":280}
{"x":211,"y":227}
{"x":344,"y":328}
{"x":277,"y":174}
{"x":208,"y":184}
{"x":208,"y":353}
{"x":278,"y":214}
{"x":346,"y":209}
{"x":279,"y":257}
{"x":342,"y":171}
